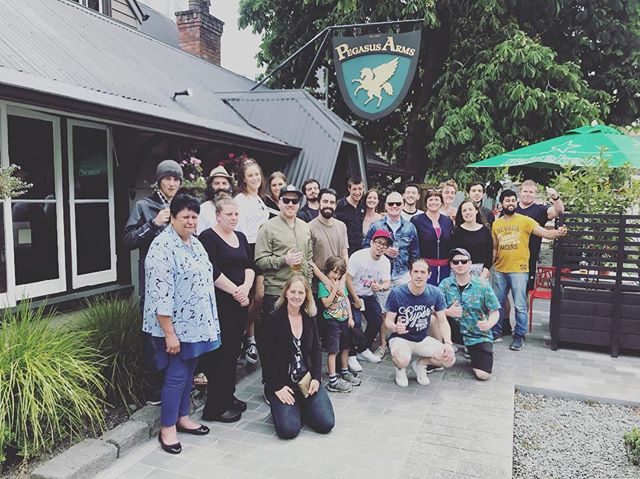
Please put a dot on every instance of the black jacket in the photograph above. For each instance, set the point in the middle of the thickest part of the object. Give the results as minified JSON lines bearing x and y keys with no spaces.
{"x":276,"y":349}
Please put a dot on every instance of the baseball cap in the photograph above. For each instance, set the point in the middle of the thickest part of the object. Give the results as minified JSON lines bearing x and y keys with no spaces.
{"x":382,"y":234}
{"x":461,"y":251}
{"x":291,"y":189}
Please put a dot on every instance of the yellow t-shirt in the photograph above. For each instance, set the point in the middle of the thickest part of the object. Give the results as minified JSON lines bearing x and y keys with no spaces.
{"x":513,"y":243}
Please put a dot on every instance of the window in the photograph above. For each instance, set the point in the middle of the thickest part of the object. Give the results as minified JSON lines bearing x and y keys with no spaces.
{"x":92,"y":4}
{"x":93,"y":257}
{"x":36,"y":265}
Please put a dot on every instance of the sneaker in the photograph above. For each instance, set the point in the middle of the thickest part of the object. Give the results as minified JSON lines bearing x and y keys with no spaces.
{"x":421,"y":373}
{"x":466,"y":353}
{"x":354,"y":365}
{"x":381,"y":352}
{"x":401,"y":378}
{"x":431,"y":368}
{"x":498,"y":339}
{"x":368,"y":356}
{"x":517,"y":344}
{"x":251,"y":354}
{"x":352,"y":378}
{"x":340,"y":386}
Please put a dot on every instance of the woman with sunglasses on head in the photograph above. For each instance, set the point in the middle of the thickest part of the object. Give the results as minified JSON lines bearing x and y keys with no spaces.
{"x":276,"y":181}
{"x":434,"y":236}
{"x":473,"y":236}
{"x":371,"y":215}
{"x":252,"y":214}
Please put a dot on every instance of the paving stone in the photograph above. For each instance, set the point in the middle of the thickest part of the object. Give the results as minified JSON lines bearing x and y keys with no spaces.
{"x":149,"y":415}
{"x":84,"y":460}
{"x":127,"y":435}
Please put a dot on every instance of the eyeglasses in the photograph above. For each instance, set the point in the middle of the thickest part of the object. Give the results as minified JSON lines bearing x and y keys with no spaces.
{"x":434,"y":190}
{"x":395,"y":203}
{"x":382,"y":244}
{"x":294,"y":201}
{"x":459,"y":261}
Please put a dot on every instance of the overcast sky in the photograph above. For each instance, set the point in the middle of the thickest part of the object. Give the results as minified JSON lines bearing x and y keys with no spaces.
{"x":239,"y":47}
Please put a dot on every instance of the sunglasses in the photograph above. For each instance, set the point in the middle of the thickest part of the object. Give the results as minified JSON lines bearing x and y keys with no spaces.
{"x":395,"y":203}
{"x":459,"y":261}
{"x":382,"y":244}
{"x":287,"y":201}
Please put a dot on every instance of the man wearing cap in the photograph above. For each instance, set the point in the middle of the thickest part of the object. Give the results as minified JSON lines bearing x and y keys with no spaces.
{"x":149,"y":217}
{"x":473,"y":309}
{"x":283,"y":247}
{"x":218,"y":184}
{"x":368,"y":273}
{"x":403,"y":251}
{"x":311,"y":209}
{"x":409,"y":311}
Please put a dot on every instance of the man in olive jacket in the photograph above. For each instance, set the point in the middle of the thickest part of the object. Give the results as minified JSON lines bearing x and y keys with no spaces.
{"x":283,"y":246}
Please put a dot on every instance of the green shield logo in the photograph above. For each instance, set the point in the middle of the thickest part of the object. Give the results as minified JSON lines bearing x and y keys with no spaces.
{"x":375,"y":71}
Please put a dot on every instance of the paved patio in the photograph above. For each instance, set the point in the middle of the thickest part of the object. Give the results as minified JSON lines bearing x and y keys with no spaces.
{"x":456,"y":427}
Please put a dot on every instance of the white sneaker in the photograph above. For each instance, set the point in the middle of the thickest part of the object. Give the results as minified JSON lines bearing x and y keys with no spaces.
{"x":354,"y":365}
{"x":401,"y":378}
{"x":421,"y":373}
{"x":368,"y":356}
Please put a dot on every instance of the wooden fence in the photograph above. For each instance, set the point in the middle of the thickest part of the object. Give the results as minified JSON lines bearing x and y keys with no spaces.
{"x":596,"y":297}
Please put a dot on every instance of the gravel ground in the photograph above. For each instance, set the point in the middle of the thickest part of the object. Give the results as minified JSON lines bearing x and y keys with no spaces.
{"x":561,"y":439}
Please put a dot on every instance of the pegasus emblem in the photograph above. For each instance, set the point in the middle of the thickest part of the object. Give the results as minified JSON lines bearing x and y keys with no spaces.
{"x":376,"y":80}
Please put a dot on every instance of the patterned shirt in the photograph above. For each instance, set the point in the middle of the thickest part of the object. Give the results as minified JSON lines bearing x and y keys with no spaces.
{"x":179,"y":283}
{"x":477,"y":301}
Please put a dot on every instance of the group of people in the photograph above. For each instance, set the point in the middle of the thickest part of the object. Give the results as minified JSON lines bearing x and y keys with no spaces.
{"x":291,"y":281}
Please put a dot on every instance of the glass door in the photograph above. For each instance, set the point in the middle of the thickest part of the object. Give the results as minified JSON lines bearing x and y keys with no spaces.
{"x":36,"y":241}
{"x":93,"y":256}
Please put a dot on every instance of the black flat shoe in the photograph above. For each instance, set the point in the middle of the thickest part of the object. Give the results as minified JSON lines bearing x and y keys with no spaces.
{"x":230,"y":415}
{"x":170,"y":448}
{"x":199,"y":431}
{"x":238,"y":404}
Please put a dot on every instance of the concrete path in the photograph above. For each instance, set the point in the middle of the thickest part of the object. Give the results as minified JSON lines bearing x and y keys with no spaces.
{"x":456,"y":427}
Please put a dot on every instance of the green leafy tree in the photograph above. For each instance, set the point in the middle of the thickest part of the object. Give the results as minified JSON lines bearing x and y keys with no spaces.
{"x":493,"y":75}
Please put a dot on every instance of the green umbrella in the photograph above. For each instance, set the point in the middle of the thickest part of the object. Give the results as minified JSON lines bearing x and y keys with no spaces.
{"x":580,"y":147}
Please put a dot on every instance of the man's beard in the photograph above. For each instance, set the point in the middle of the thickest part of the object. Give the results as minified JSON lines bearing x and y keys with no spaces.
{"x":326,"y":212}
{"x":509,"y":211}
{"x":312,"y":199}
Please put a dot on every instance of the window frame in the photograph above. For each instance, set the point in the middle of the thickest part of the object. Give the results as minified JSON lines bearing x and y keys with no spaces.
{"x":84,"y":3}
{"x":108,"y":275}
{"x":50,"y":286}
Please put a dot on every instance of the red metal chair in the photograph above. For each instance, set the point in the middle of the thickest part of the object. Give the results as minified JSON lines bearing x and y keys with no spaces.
{"x":543,"y":288}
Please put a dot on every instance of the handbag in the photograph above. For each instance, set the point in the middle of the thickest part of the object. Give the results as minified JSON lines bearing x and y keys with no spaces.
{"x":304,"y":384}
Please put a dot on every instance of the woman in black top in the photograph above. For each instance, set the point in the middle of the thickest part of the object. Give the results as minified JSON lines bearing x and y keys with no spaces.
{"x":232,"y":260}
{"x":292,"y":363}
{"x":475,"y":237}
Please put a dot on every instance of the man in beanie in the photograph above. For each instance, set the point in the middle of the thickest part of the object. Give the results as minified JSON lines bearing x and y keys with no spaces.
{"x":218,"y":185}
{"x":149,"y":217}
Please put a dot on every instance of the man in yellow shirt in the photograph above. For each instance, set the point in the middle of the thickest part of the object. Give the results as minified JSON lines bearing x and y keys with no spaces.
{"x":511,"y":234}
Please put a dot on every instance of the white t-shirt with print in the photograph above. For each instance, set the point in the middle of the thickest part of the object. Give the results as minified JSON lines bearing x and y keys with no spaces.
{"x":365,"y":270}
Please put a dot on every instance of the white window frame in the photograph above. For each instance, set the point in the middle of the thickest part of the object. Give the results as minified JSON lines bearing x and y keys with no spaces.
{"x":84,"y":3}
{"x":361,"y":161}
{"x":50,"y":286}
{"x":108,"y":275}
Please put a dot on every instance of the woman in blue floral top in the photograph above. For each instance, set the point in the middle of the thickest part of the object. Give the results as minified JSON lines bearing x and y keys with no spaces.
{"x":180,"y":313}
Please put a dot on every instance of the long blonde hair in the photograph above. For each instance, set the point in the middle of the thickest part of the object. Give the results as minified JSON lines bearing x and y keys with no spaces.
{"x":309,"y":306}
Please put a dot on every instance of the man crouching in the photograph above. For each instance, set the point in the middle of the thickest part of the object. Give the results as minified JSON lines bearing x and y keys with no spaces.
{"x":409,"y":309}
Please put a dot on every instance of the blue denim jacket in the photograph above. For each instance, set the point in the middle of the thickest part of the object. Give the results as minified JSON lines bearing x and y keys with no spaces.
{"x":179,"y":283}
{"x":405,"y":239}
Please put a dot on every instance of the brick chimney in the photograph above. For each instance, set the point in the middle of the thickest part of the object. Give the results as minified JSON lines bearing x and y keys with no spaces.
{"x":199,"y":31}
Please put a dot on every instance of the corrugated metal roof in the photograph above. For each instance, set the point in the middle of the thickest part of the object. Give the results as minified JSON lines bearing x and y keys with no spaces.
{"x":159,"y":27}
{"x":298,"y":118}
{"x":59,"y":47}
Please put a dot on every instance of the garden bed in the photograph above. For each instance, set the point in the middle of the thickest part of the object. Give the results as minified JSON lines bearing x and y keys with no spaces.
{"x":559,"y":438}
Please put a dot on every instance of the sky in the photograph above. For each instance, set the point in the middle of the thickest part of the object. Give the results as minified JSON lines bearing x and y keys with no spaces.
{"x":239,"y":47}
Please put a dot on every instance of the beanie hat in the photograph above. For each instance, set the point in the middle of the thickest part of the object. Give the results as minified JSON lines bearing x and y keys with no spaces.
{"x":168,"y":168}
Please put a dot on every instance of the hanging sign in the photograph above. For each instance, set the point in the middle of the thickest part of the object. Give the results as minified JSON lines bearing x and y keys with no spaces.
{"x":375,"y":71}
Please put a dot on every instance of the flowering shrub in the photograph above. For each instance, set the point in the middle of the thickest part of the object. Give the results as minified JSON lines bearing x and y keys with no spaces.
{"x":193,"y":177}
{"x":10,"y":185}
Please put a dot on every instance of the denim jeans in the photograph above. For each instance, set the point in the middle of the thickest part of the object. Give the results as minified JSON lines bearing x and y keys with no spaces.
{"x":315,"y":410}
{"x":517,"y":283}
{"x":373,"y":314}
{"x":178,"y":381}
